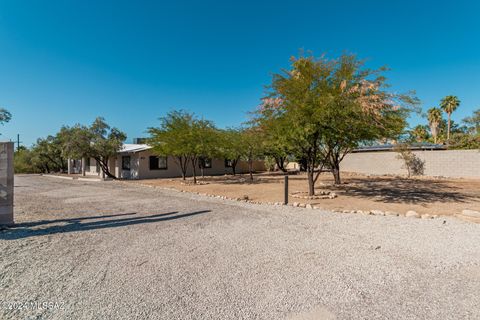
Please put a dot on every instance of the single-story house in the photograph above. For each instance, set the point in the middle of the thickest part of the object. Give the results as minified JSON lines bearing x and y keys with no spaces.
{"x":137,"y":161}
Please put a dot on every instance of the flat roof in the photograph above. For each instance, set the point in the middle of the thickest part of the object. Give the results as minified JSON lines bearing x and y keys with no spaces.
{"x":133,"y":148}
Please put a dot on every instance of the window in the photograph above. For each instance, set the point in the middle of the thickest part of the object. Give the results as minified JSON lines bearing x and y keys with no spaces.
{"x":158,"y":163}
{"x":126,"y":163}
{"x":205,"y":163}
{"x":228,"y":163}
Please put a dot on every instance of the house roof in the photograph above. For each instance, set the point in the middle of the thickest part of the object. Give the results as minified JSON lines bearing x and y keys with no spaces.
{"x":390,"y":147}
{"x":133,"y":148}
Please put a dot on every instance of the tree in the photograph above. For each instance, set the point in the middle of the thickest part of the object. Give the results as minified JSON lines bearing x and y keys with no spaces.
{"x":173,"y":138}
{"x":434,"y":118}
{"x":331,"y":107}
{"x":449,"y":104}
{"x":5,"y":116}
{"x":274,"y":132}
{"x":473,"y":122}
{"x":47,"y":155}
{"x":201,"y":143}
{"x":105,"y":143}
{"x":419,"y":133}
{"x":22,"y":161}
{"x":251,"y":146}
{"x":205,"y":141}
{"x":231,"y":146}
{"x":98,"y":141}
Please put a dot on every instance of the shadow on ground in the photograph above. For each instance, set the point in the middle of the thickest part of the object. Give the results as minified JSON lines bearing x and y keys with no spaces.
{"x":48,"y":227}
{"x":402,"y":190}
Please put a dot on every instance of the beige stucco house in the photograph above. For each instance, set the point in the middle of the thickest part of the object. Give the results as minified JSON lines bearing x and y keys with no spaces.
{"x":137,"y":161}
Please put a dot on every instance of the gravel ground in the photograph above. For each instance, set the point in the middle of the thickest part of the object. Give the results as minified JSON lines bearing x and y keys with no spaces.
{"x":107,"y":250}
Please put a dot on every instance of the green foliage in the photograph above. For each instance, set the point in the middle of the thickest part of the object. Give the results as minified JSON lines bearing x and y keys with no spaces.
{"x":22,"y":162}
{"x":473,"y":122}
{"x":251,"y":147}
{"x":186,"y":138}
{"x":5,"y":116}
{"x":449,"y":104}
{"x":414,"y":165}
{"x":434,"y":118}
{"x":98,"y":141}
{"x":231,"y":146}
{"x":325,"y":108}
{"x":419,"y":134}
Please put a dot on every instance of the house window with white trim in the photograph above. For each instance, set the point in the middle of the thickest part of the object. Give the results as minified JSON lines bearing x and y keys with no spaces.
{"x":158,"y":163}
{"x":126,"y":163}
{"x":205,"y":163}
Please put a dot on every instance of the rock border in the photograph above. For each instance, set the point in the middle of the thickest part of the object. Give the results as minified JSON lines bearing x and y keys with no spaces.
{"x":408,"y":214}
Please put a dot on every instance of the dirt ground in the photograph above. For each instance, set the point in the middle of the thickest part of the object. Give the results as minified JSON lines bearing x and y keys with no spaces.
{"x":113,"y":250}
{"x":358,"y":192}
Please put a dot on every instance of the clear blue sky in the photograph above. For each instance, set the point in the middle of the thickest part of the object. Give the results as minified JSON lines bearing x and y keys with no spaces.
{"x":63,"y":62}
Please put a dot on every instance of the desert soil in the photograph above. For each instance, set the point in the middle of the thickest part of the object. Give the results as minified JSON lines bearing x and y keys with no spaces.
{"x":386,"y":193}
{"x":110,"y":250}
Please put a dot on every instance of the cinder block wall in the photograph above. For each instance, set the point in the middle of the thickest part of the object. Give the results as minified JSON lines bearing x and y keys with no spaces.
{"x":6,"y":183}
{"x":447,"y":163}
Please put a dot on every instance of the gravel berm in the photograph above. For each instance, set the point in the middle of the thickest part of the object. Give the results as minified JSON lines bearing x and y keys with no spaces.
{"x":110,"y":250}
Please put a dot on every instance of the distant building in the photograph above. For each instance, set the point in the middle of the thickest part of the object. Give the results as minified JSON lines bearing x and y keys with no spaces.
{"x":137,"y":161}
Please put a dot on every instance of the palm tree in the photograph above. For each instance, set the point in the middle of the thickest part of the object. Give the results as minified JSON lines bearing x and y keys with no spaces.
{"x":419,"y":133}
{"x":449,"y":104}
{"x":434,"y":118}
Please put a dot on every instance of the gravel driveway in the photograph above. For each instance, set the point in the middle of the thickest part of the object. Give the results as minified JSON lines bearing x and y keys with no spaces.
{"x":107,"y":250}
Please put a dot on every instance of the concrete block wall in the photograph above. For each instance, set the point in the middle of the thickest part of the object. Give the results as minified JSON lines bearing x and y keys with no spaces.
{"x":6,"y":183}
{"x":446,"y":163}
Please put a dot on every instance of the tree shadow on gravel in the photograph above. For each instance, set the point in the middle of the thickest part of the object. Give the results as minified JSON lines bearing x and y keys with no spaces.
{"x":405,"y":191}
{"x":30,"y":229}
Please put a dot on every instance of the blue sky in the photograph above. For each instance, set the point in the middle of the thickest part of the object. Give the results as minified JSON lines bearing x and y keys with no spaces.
{"x":63,"y":62}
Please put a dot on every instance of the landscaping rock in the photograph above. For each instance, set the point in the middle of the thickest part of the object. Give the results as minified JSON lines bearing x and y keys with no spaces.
{"x":308,"y":206}
{"x":391,"y":213}
{"x":377,"y":212}
{"x":426,"y":216}
{"x":412,"y":214}
{"x":302,"y":205}
{"x":295,"y":204}
{"x":471,"y":213}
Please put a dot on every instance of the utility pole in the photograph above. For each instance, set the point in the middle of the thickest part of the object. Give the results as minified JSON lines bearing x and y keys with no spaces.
{"x":18,"y":142}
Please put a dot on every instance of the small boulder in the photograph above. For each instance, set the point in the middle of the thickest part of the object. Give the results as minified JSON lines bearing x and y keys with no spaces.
{"x":377,"y":212}
{"x":426,"y":216}
{"x":412,"y":214}
{"x":302,"y":205}
{"x":391,"y":213}
{"x":295,"y":204}
{"x":308,"y":206}
{"x":471,"y":213}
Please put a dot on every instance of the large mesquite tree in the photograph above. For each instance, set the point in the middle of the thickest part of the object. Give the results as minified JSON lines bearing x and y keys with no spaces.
{"x":331,"y":107}
{"x":98,"y":141}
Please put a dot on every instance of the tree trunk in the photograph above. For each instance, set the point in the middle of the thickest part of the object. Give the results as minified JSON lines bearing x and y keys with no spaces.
{"x":281,"y":163}
{"x":182,"y":163}
{"x":311,"y":182}
{"x":336,"y":173}
{"x":104,"y":167}
{"x":234,"y":166}
{"x":193,"y":160}
{"x":448,"y":129}
{"x":250,"y":169}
